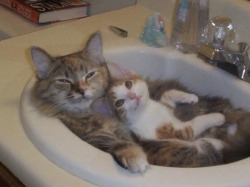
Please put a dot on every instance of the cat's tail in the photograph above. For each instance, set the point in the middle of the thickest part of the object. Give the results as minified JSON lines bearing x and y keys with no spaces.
{"x":179,"y":153}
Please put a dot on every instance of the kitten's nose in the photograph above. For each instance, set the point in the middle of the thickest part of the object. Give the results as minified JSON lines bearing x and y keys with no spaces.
{"x":132,"y":95}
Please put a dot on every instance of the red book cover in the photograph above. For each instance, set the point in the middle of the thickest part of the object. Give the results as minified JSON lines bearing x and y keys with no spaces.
{"x":43,"y":11}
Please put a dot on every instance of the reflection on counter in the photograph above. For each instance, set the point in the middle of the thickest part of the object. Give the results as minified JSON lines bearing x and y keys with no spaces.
{"x":4,"y":35}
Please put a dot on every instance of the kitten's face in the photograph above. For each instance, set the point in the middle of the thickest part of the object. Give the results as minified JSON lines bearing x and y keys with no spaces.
{"x":128,"y":96}
{"x":71,"y":83}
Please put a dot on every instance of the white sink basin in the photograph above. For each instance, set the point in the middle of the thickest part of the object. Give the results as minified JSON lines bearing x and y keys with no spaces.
{"x":66,"y":150}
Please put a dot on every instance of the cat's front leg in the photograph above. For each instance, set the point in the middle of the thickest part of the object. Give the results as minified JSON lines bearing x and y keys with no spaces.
{"x":110,"y":136}
{"x":172,"y":97}
{"x":130,"y":156}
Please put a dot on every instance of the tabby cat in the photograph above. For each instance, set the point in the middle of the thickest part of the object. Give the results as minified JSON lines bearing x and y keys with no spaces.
{"x":65,"y":88}
{"x":150,"y":119}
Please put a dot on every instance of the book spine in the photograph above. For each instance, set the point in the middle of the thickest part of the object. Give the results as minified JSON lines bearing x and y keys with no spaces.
{"x":22,"y":9}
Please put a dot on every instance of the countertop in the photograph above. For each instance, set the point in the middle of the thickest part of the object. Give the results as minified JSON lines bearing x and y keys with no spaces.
{"x":12,"y":24}
{"x":16,"y":150}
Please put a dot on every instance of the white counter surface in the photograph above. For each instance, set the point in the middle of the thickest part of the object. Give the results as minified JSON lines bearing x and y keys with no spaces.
{"x":16,"y":150}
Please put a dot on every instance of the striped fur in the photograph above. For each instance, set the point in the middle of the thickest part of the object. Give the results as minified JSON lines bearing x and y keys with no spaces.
{"x":178,"y":153}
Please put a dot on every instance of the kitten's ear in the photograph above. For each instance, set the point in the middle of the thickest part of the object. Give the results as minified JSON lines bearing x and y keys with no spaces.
{"x":117,"y":71}
{"x":101,"y":106}
{"x":42,"y":61}
{"x":93,"y":48}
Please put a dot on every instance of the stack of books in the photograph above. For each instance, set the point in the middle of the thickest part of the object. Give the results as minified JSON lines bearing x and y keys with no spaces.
{"x":44,"y":11}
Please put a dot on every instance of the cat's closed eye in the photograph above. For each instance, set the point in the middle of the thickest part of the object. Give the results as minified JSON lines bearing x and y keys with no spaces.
{"x":128,"y":84}
{"x":119,"y":103}
{"x":63,"y":81}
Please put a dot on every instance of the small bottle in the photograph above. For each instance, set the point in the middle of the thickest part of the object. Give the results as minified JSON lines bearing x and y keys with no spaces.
{"x":203,"y":20}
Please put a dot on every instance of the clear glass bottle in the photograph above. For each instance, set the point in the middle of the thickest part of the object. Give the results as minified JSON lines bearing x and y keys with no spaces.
{"x":190,"y":20}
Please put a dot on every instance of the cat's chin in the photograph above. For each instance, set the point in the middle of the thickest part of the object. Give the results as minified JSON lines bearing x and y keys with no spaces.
{"x":93,"y":94}
{"x":82,"y":100}
{"x":135,"y":105}
{"x":78,"y":107}
{"x":76,"y":110}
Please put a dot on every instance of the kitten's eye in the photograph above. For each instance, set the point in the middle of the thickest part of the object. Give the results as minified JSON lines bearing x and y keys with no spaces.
{"x":128,"y":84}
{"x":119,"y":102}
{"x":64,"y":81}
{"x":90,"y":75}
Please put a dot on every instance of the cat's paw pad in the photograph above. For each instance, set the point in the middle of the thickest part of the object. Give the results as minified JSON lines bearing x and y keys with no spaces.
{"x":133,"y":159}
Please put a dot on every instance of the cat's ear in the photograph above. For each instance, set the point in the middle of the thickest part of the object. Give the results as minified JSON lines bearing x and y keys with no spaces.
{"x":118,"y":71}
{"x":101,"y":106}
{"x":93,"y":49}
{"x":42,"y":61}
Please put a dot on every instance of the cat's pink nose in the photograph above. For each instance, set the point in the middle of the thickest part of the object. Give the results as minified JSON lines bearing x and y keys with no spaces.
{"x":134,"y":97}
{"x":82,"y":89}
{"x":131,"y":95}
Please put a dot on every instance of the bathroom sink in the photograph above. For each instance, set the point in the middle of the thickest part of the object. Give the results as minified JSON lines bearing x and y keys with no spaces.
{"x":67,"y":151}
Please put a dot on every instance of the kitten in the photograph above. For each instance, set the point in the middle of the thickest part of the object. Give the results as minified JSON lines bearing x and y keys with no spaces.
{"x":160,"y":150}
{"x":150,"y":119}
{"x":229,"y":140}
{"x":65,"y":88}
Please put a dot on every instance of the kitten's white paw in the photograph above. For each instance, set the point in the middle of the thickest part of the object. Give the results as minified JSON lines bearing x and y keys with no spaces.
{"x":217,"y":119}
{"x":188,"y":98}
{"x":172,"y":97}
{"x":138,"y":164}
{"x":134,"y":159}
